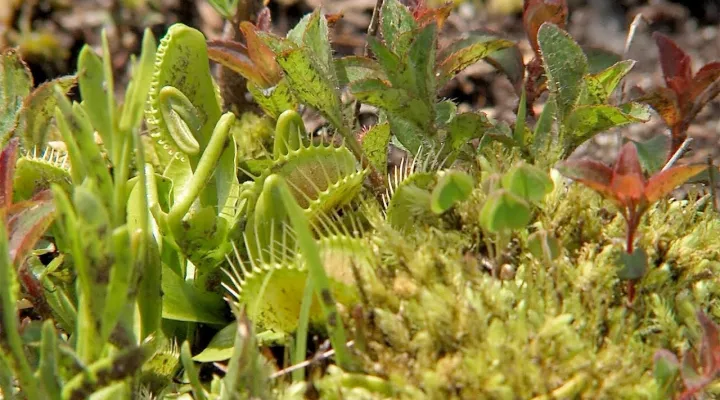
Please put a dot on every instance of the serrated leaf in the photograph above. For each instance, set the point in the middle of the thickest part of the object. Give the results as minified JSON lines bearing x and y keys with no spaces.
{"x":479,"y":45}
{"x":633,"y":265}
{"x":317,"y":41}
{"x":453,"y":187}
{"x":395,"y":20}
{"x":395,"y":101}
{"x":445,"y":112}
{"x":421,"y":58}
{"x":310,"y":85}
{"x":661,"y":184}
{"x":295,"y":35}
{"x":375,"y":146}
{"x":467,"y":126}
{"x":528,"y":182}
{"x":504,"y":211}
{"x":565,"y":66}
{"x":275,"y":100}
{"x":15,"y":84}
{"x":601,"y":85}
{"x":585,"y":121}
{"x":396,"y":70}
{"x":354,"y":68}
{"x":34,"y":121}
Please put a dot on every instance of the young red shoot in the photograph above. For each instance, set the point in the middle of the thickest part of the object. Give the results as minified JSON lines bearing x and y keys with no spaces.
{"x":625,"y":185}
{"x":685,"y":93}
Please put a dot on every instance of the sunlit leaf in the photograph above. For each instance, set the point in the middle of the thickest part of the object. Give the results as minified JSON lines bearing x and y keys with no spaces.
{"x":585,"y":121}
{"x":375,"y":146}
{"x":661,"y":184}
{"x":354,"y":68}
{"x":453,"y":187}
{"x":15,"y":83}
{"x":528,"y":182}
{"x":477,"y":46}
{"x":565,"y":66}
{"x":504,"y":211}
{"x":396,"y":19}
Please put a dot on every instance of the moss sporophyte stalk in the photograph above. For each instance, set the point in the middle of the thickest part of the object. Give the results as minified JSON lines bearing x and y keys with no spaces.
{"x":171,"y":243}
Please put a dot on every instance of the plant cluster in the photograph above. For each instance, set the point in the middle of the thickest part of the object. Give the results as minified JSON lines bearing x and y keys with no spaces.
{"x":166,"y":248}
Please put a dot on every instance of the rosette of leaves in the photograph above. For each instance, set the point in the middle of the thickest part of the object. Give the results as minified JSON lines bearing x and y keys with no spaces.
{"x":407,"y":71}
{"x":685,"y":94}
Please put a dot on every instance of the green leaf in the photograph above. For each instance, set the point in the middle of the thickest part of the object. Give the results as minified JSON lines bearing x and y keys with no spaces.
{"x":16,"y":82}
{"x":421,"y":58}
{"x":586,"y":121}
{"x":477,"y":46}
{"x":139,"y":86}
{"x":310,"y":85}
{"x":542,"y":135}
{"x":33,"y":175}
{"x":354,"y":68}
{"x":445,"y":111}
{"x":226,"y":8}
{"x":220,"y":347}
{"x":395,"y":20}
{"x":565,"y":66}
{"x":297,"y":33}
{"x":653,"y":153}
{"x":375,"y":146}
{"x":528,"y":182}
{"x":395,"y":68}
{"x":605,"y":82}
{"x":453,"y":187}
{"x":543,"y":245}
{"x":666,"y":368}
{"x":467,"y":126}
{"x":275,"y":100}
{"x":504,"y":211}
{"x":184,"y":302}
{"x":633,"y":265}
{"x":34,"y":121}
{"x":318,"y":46}
{"x":599,"y":59}
{"x":520,"y":125}
{"x":48,"y":368}
{"x":191,"y":372}
{"x":92,"y":83}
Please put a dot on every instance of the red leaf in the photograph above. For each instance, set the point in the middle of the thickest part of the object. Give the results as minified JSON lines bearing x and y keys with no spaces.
{"x":705,"y":87}
{"x":628,"y":163}
{"x":662,"y":183}
{"x":234,"y":55}
{"x":675,"y":63}
{"x":664,"y":102}
{"x":261,"y":56}
{"x":27,"y":222}
{"x":264,"y":20}
{"x":7,"y":171}
{"x":595,"y":175}
{"x":537,"y":12}
{"x":710,"y":346}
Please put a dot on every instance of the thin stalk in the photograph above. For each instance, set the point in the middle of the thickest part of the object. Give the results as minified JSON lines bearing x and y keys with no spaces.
{"x":302,"y":331}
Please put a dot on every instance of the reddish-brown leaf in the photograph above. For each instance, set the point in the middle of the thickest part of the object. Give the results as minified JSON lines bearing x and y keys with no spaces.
{"x":234,"y":55}
{"x":26,"y":222}
{"x":628,"y":163}
{"x":675,"y":63}
{"x":261,"y":56}
{"x":264,"y":20}
{"x":664,"y":102}
{"x":8,"y":157}
{"x":595,"y":175}
{"x":704,"y":88}
{"x":710,"y":346}
{"x":537,"y":12}
{"x":662,"y":183}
